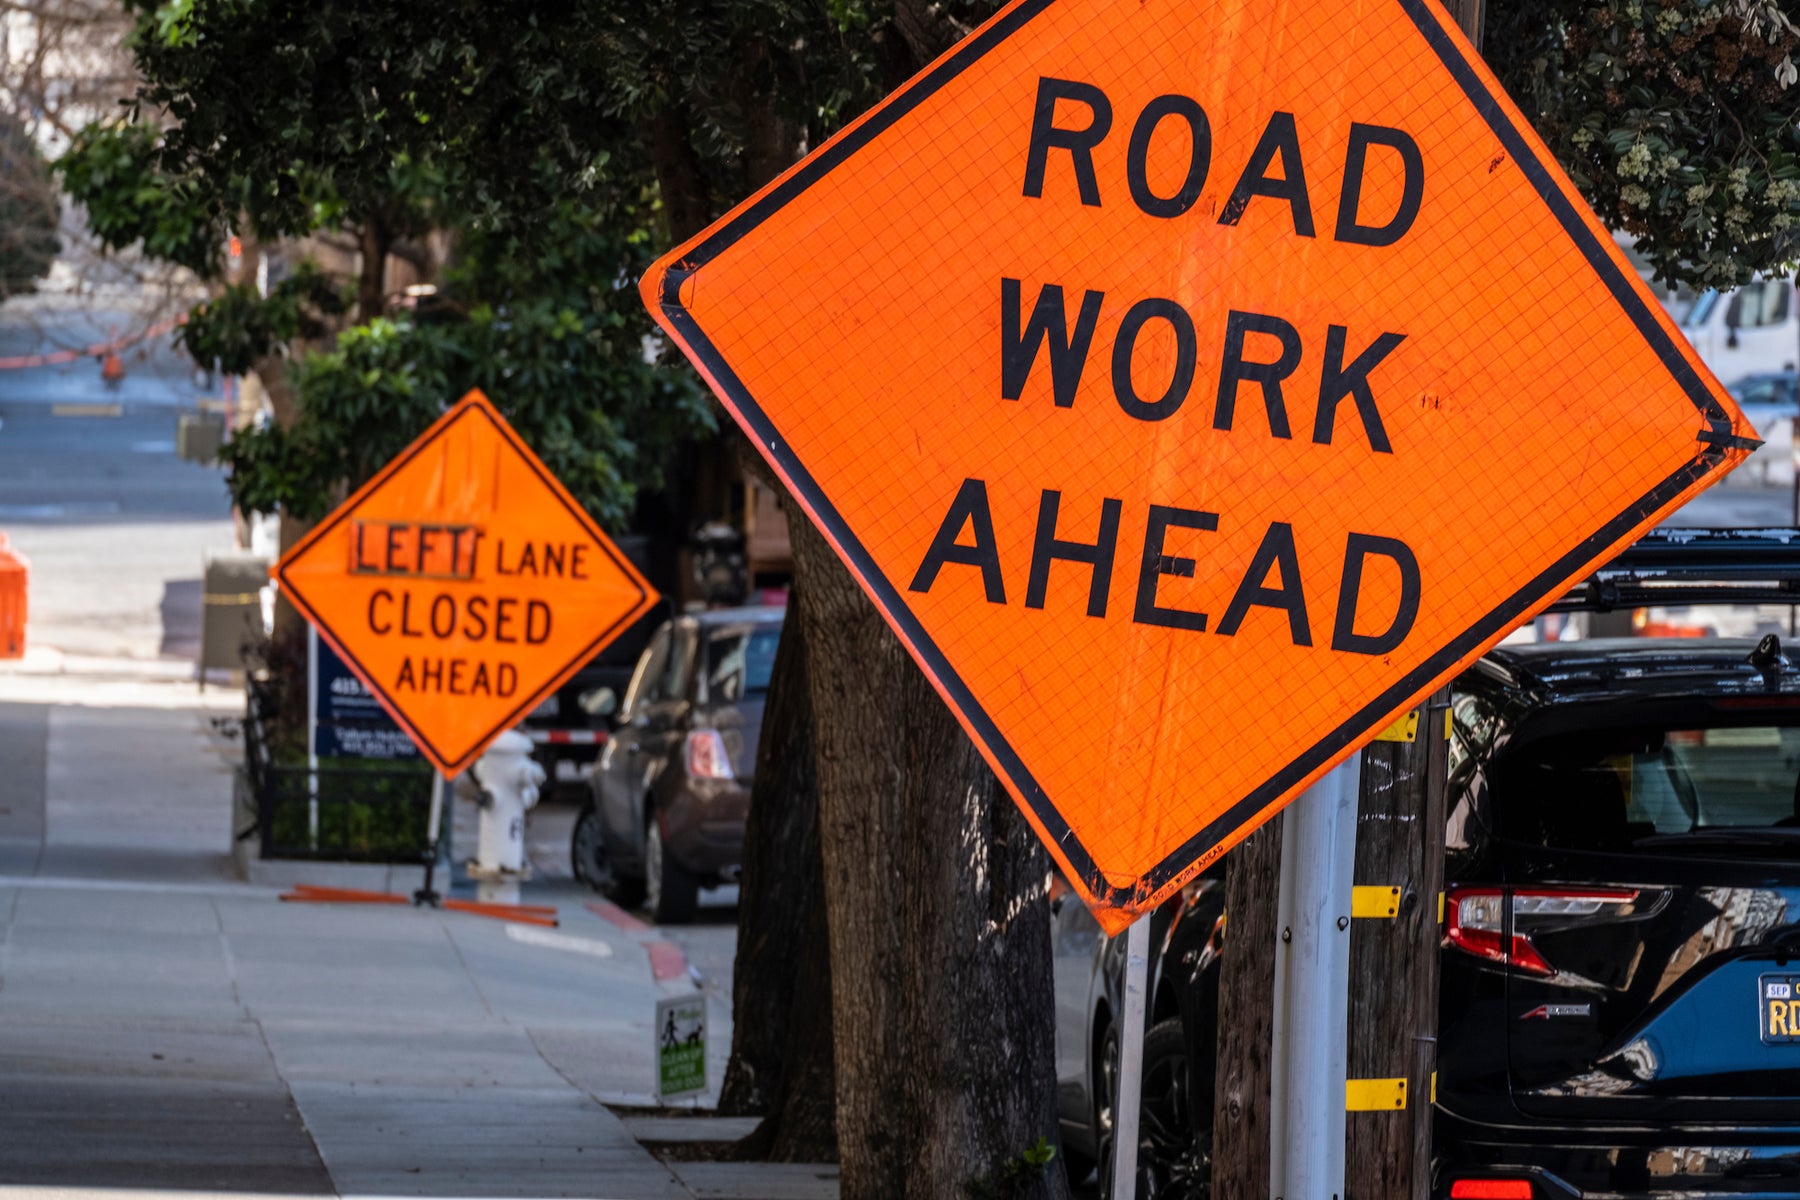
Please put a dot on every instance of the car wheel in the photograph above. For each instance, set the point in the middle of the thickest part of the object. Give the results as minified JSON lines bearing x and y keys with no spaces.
{"x":1106,"y":1090}
{"x":587,"y":851}
{"x":593,"y":865}
{"x":672,"y":892}
{"x":1173,"y":1162}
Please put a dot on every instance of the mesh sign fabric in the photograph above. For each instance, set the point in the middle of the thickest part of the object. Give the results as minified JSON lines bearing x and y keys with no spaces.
{"x":1194,"y":386}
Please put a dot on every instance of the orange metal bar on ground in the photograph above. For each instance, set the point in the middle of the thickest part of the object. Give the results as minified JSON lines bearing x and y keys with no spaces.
{"x":308,"y":894}
{"x":524,"y":914}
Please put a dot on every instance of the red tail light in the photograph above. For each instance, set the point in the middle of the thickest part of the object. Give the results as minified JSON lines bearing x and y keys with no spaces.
{"x":707,"y":757}
{"x":1491,"y":1189}
{"x":1475,"y":922}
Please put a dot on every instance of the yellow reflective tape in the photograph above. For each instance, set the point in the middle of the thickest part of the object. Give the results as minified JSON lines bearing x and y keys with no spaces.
{"x":1449,"y":725}
{"x":1440,"y":908}
{"x":1377,"y":902}
{"x":1374,"y":1095}
{"x":232,"y":598}
{"x":1434,"y":1087}
{"x":1405,"y":729}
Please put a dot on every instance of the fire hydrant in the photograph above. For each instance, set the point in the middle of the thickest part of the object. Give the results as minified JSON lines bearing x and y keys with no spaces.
{"x":509,"y":782}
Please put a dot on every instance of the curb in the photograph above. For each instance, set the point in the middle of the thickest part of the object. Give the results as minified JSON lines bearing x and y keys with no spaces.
{"x":668,"y":962}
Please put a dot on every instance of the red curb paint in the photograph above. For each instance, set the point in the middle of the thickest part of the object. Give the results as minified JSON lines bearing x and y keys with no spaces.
{"x":667,"y":962}
{"x":612,"y":914}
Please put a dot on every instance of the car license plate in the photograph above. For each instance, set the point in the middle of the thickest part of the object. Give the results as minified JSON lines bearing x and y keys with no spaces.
{"x":1778,"y":1007}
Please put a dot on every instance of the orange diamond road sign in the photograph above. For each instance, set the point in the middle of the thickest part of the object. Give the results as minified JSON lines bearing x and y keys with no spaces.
{"x":463,"y":584}
{"x":1195,"y":386}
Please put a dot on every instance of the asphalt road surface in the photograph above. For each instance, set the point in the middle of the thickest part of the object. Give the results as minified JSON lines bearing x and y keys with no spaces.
{"x":92,"y":493}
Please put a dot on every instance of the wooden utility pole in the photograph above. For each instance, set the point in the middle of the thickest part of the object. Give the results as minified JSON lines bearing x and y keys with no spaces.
{"x":1241,"y":1109}
{"x":1394,"y":937}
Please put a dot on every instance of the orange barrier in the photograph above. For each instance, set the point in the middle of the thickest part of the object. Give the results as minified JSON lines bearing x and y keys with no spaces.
{"x":15,"y":573}
{"x":523,"y":914}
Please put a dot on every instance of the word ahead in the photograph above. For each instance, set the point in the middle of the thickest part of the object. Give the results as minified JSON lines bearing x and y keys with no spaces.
{"x":1193,"y":387}
{"x":463,"y":584}
{"x":1275,"y":559}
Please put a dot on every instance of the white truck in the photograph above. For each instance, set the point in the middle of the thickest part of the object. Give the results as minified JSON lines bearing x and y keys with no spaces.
{"x":1750,"y":337}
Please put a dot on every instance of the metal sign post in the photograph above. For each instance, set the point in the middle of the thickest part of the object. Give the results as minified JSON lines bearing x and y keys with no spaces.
{"x":443,"y":792}
{"x":1130,"y":1092}
{"x":312,"y":737}
{"x":1309,"y":1059}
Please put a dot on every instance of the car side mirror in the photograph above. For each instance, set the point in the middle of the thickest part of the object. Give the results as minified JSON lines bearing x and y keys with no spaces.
{"x":600,"y":702}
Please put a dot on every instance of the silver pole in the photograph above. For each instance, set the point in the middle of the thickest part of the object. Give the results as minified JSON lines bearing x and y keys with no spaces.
{"x":1309,"y":1061}
{"x":312,"y":735}
{"x":434,"y":819}
{"x":1131,"y":1061}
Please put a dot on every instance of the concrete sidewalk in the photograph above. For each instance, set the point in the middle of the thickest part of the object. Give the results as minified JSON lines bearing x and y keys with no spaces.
{"x":165,"y":1026}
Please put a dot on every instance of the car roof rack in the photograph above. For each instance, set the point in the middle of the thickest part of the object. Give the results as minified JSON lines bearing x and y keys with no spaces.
{"x":1695,"y":566}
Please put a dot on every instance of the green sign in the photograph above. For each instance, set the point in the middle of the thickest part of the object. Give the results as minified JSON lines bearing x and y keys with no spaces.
{"x":680,"y":1046}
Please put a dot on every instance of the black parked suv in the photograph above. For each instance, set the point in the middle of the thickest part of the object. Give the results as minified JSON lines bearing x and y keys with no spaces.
{"x":1622,"y":922}
{"x":1620,"y":998}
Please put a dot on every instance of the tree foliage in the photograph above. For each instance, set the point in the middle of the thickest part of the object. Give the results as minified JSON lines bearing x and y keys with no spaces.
{"x":239,"y":327}
{"x":386,"y":122}
{"x":303,"y":115}
{"x":113,"y":172}
{"x":552,"y":332}
{"x":1678,"y":119}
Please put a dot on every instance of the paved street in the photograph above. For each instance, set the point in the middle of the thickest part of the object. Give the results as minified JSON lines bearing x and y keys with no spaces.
{"x":91,"y":491}
{"x":164,"y":1026}
{"x":1738,"y":506}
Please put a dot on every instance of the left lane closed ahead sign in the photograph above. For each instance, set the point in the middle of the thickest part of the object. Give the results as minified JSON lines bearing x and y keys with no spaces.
{"x":463,"y":584}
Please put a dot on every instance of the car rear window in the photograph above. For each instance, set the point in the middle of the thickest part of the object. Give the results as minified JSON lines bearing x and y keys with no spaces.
{"x":1643,"y":787}
{"x":739,"y":663}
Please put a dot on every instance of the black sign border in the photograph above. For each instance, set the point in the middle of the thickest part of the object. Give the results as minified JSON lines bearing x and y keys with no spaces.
{"x":1202,"y":847}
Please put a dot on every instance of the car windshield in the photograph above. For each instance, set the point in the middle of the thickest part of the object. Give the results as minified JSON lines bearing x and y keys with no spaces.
{"x":1614,"y":788}
{"x":1763,"y":389}
{"x":1653,"y":787}
{"x":1700,"y":309}
{"x":739,"y":662}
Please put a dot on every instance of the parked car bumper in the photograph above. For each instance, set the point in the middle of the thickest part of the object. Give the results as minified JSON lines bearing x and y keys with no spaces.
{"x":703,"y":826}
{"x":1621,"y":1164}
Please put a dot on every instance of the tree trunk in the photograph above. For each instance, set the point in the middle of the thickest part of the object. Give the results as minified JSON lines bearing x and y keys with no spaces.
{"x":686,"y":201}
{"x":937,"y":914}
{"x":1241,"y":1107}
{"x":937,"y":900}
{"x":781,"y":1045}
{"x":371,"y":281}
